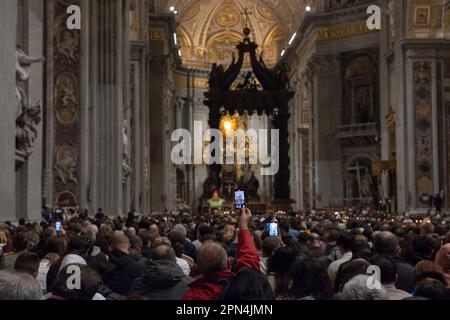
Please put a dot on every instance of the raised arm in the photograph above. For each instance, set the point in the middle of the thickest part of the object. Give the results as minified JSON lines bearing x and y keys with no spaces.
{"x":247,"y":255}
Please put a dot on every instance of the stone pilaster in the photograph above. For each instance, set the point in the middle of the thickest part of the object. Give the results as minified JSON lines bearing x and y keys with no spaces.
{"x":85,"y":121}
{"x":109,"y":107}
{"x":8,"y":9}
{"x":33,"y":176}
{"x":327,"y":155}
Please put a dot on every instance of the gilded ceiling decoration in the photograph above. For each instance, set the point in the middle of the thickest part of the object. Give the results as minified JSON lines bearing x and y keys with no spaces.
{"x":429,"y":19}
{"x":208,"y":30}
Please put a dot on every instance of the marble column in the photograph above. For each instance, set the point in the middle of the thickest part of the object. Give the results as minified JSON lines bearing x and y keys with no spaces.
{"x":128,"y":111}
{"x":32,"y":175}
{"x":84,"y":145}
{"x":49,"y":110}
{"x":157,"y":135}
{"x":385,"y":96}
{"x":399,"y":102}
{"x":295,"y":149}
{"x":109,"y":108}
{"x":8,"y":20}
{"x":327,"y":97}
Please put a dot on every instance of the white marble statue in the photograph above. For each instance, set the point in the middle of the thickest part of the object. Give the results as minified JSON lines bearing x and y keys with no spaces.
{"x":26,"y":128}
{"x":126,"y":155}
{"x":23,"y":64}
{"x":367,"y":185}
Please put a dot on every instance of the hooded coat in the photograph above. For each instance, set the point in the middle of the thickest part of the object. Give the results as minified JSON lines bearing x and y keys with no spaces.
{"x":162,"y":280}
{"x":126,"y":270}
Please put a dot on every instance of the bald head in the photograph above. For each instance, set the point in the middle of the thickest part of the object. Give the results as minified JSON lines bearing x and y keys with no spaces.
{"x":164,"y":252}
{"x":212,"y":258}
{"x":386,"y":243}
{"x":121,"y":242}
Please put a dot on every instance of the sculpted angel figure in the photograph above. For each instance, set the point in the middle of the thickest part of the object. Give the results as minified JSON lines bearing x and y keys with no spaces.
{"x":23,"y":65}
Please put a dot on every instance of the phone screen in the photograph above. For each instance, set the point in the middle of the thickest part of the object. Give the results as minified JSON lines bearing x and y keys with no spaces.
{"x":239,"y":199}
{"x":58,"y":226}
{"x":273,"y":229}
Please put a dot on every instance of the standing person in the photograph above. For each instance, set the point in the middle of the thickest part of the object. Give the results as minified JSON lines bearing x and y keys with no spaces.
{"x":163,"y":279}
{"x":310,"y":280}
{"x":19,"y":244}
{"x":269,"y":246}
{"x":213,"y":263}
{"x":136,"y":249}
{"x":177,"y":240}
{"x":147,"y":242}
{"x":126,"y":269}
{"x":332,"y":251}
{"x":345,"y":244}
{"x":387,"y":243}
{"x":279,"y":266}
{"x":357,"y":289}
{"x":389,"y":276}
{"x":205,"y":232}
{"x":438,"y":203}
{"x":27,"y":262}
{"x":19,"y":286}
{"x":443,"y":260}
{"x":90,"y":282}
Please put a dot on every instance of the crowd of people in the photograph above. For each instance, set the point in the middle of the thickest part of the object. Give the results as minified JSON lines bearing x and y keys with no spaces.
{"x":315,"y":256}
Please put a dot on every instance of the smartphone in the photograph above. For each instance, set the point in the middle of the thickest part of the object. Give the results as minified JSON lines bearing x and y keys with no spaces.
{"x":58,"y":226}
{"x":239,"y":200}
{"x":273,"y":229}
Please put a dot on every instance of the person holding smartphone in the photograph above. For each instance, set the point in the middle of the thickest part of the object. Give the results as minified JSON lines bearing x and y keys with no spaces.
{"x":213,"y":263}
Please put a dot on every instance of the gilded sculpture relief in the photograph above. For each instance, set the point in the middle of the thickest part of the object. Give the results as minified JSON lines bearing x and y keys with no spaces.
{"x":66,"y":98}
{"x":428,"y":19}
{"x":66,"y":164}
{"x":68,"y":47}
{"x":424,"y":134}
{"x":66,"y":64}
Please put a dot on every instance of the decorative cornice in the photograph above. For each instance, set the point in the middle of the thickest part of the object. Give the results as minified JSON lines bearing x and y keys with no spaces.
{"x":322,"y":63}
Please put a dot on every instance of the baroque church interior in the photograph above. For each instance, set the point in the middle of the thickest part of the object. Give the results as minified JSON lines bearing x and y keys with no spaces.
{"x":88,"y":113}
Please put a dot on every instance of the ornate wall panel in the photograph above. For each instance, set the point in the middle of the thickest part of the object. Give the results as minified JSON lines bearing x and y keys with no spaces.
{"x":424,"y":133}
{"x":428,"y":19}
{"x":67,"y":99}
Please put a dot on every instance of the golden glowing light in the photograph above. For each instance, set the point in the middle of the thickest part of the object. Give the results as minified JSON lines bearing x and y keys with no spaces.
{"x":228,"y":125}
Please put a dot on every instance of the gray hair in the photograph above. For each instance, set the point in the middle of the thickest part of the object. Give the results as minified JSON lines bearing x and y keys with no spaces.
{"x":180,"y":228}
{"x":358,"y":288}
{"x":212,"y":258}
{"x":19,"y":286}
{"x":89,"y":234}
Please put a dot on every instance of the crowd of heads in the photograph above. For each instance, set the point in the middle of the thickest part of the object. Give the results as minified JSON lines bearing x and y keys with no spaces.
{"x":165,"y":256}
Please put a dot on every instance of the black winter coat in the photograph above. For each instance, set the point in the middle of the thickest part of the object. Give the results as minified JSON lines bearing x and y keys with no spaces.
{"x":162,"y":280}
{"x":126,"y":270}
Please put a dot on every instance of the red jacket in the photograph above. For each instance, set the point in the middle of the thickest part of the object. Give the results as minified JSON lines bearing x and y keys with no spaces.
{"x":210,"y":287}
